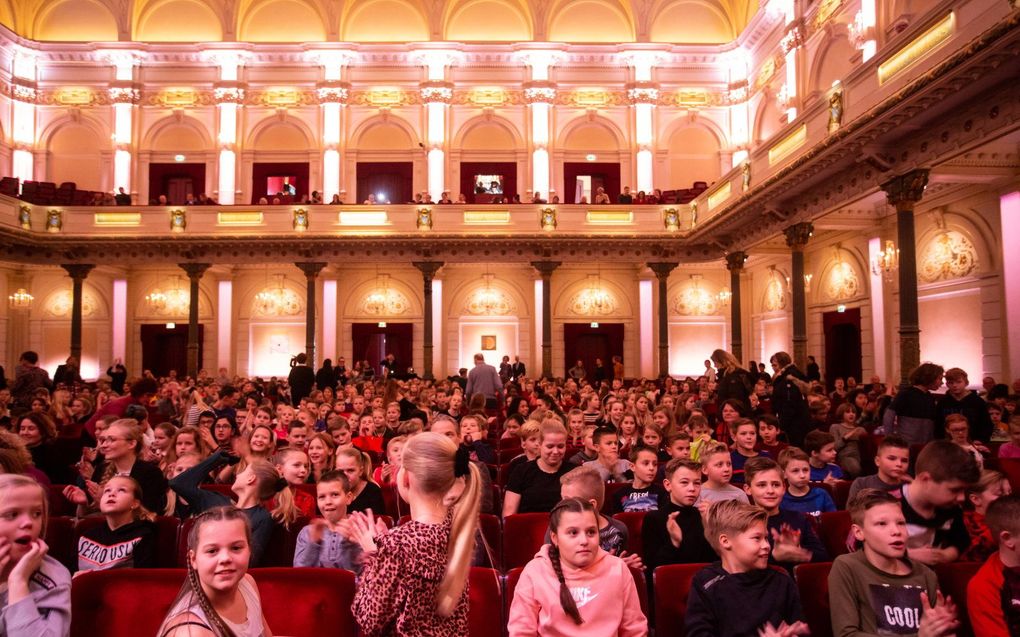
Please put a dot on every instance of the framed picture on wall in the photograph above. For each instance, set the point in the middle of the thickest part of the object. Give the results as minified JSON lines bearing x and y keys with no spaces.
{"x":488,"y":342}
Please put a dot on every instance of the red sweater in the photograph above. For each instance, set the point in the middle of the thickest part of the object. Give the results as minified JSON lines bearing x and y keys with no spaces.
{"x":984,"y":601}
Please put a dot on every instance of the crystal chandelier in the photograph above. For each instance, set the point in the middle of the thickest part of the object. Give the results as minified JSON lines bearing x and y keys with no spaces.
{"x":21,"y":299}
{"x":376,"y":302}
{"x":174,"y":300}
{"x":487,"y":298}
{"x":597,"y":297}
{"x":272,"y":300}
{"x":886,"y":261}
{"x":724,"y":295}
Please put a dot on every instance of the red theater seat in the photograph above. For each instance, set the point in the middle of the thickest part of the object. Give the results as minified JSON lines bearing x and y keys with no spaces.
{"x":611,"y":489}
{"x":59,"y":505}
{"x":61,"y":539}
{"x":166,"y":538}
{"x":492,"y":533}
{"x":953,"y":580}
{"x":813,"y":585}
{"x":672,"y":584}
{"x":307,"y":602}
{"x":834,"y":531}
{"x":485,"y":617}
{"x":1011,"y":467}
{"x":634,"y":520}
{"x":523,"y":535}
{"x":280,"y":550}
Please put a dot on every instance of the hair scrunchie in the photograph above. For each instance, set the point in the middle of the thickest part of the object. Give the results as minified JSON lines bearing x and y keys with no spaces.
{"x":462,"y":461}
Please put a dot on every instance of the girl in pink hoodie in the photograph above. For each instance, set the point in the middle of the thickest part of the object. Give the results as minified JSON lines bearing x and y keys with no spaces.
{"x":573,"y":587}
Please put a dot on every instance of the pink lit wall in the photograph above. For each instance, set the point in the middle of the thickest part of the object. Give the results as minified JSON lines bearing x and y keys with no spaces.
{"x":1009,"y":206}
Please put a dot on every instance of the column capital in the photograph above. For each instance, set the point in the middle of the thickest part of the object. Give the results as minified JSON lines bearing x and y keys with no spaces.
{"x":903,"y":191}
{"x":78,"y":271}
{"x":662,"y":269}
{"x":195,"y":270}
{"x":546,"y":268}
{"x":311,"y":268}
{"x":798,"y":235}
{"x":735,"y":260}
{"x":428,"y":269}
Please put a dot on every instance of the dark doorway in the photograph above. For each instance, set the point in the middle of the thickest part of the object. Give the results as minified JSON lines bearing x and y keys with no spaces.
{"x":583,"y":342}
{"x":176,"y":181}
{"x":291,"y":178}
{"x":166,"y":348}
{"x":476,"y":179}
{"x":373,"y":343}
{"x":592,"y":175}
{"x":389,"y":181}
{"x":842,"y":332}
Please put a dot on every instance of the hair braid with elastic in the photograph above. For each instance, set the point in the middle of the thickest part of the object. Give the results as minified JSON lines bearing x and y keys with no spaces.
{"x":566,"y":599}
{"x":218,"y":626}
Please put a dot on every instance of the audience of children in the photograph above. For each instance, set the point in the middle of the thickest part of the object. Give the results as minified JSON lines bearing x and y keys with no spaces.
{"x":993,"y":594}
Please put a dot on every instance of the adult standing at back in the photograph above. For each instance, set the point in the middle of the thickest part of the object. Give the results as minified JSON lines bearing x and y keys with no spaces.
{"x":789,"y":398}
{"x":733,"y":382}
{"x":483,"y":379}
{"x":913,"y":412}
{"x":28,"y":377}
{"x":300,"y":379}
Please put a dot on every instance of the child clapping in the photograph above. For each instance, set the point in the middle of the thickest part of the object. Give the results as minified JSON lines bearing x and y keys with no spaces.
{"x":321,"y":543}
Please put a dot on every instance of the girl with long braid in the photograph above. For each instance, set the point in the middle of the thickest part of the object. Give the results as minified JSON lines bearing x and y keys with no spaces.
{"x":573,"y":587}
{"x":218,"y":598}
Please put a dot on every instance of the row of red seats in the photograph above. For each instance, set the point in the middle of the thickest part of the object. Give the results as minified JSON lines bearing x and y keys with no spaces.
{"x":317,"y":602}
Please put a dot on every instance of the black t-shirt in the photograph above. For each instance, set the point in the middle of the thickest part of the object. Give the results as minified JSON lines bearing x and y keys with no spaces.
{"x":942,"y":531}
{"x":539,"y":491}
{"x":630,"y":499}
{"x":371,"y":497}
{"x":130,"y":546}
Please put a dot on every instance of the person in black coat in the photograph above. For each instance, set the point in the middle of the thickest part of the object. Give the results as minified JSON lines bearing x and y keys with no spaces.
{"x":814,"y":372}
{"x":326,"y":376}
{"x":789,"y":399}
{"x":732,"y":381}
{"x":67,"y":374}
{"x":300,"y":379}
{"x":118,"y":376}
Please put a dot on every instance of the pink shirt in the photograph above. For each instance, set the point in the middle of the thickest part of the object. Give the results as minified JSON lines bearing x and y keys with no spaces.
{"x":1009,"y":450}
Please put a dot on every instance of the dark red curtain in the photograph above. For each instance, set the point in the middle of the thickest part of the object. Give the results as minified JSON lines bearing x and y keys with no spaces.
{"x":583,"y":342}
{"x":161,"y":174}
{"x":165,"y":348}
{"x":842,"y":332}
{"x":608,"y":172}
{"x":261,"y":171}
{"x":373,"y":343}
{"x":468,"y":170}
{"x":393,"y":179}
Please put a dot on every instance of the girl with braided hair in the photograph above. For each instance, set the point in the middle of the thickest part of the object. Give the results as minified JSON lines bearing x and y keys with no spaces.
{"x":218,"y":598}
{"x":414,"y":578}
{"x":573,"y":587}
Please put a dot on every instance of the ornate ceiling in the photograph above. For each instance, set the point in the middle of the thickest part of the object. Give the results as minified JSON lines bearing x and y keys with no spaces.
{"x":676,"y":21}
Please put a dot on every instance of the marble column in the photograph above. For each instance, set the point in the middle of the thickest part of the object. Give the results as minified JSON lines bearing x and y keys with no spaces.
{"x":194,"y":272}
{"x":78,"y":273}
{"x":311,"y":270}
{"x":797,"y":237}
{"x":545,"y":269}
{"x":428,"y":271}
{"x":662,"y":271}
{"x":735,"y":264}
{"x":904,"y":192}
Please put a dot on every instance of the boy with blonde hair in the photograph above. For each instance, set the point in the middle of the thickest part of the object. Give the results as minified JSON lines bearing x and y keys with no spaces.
{"x":718,"y":469}
{"x":587,"y":484}
{"x":740,"y":594}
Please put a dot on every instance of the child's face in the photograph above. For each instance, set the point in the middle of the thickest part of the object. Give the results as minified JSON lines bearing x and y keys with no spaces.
{"x":768,"y":433}
{"x":718,"y":468}
{"x":766,"y":489}
{"x":849,"y":416}
{"x":21,"y":519}
{"x":469,"y":430}
{"x":826,"y":455}
{"x":745,"y":437}
{"x":684,"y":487}
{"x":317,"y":451}
{"x":577,"y":538}
{"x":628,"y":426}
{"x":704,"y":432}
{"x":798,"y":473}
{"x":160,"y":440}
{"x":294,"y":469}
{"x":342,"y":437}
{"x":531,"y":444}
{"x":298,"y":437}
{"x":351,"y":469}
{"x":221,"y":554}
{"x":892,"y":463}
{"x":511,"y":427}
{"x":646,"y":466}
{"x":576,"y":423}
{"x":589,"y":442}
{"x":118,"y":497}
{"x":680,"y":449}
{"x":395,"y":453}
{"x":260,"y":440}
{"x":366,"y":426}
{"x":393,"y":414}
{"x":183,"y":464}
{"x":651,"y":438}
{"x":884,"y":530}
{"x":332,"y":500}
{"x":1014,"y":434}
{"x":943,"y":494}
{"x":608,"y":446}
{"x":991,"y":494}
{"x":749,"y":548}
{"x":552,"y":449}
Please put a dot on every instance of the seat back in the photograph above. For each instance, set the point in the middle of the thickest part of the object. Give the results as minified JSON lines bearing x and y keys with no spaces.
{"x":834,"y":530}
{"x":672,"y":584}
{"x":634,"y":521}
{"x":492,"y":533}
{"x":307,"y":602}
{"x":485,"y":605}
{"x":1011,"y":467}
{"x":280,"y":549}
{"x":59,"y":505}
{"x":953,"y":580}
{"x":107,"y":602}
{"x":611,"y":489}
{"x":523,"y":535}
{"x":813,"y":585}
{"x":61,"y":539}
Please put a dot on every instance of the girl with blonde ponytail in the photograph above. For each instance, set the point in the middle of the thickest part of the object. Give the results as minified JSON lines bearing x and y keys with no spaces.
{"x":414,"y":580}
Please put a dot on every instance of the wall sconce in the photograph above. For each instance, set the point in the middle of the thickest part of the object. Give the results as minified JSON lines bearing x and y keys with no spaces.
{"x":54,"y":220}
{"x":424,"y":220}
{"x":300,"y":220}
{"x":807,"y":283}
{"x":724,"y":295}
{"x":671,"y":219}
{"x":178,"y":220}
{"x":20,"y":300}
{"x":25,"y":217}
{"x":548,"y":219}
{"x":887,"y":261}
